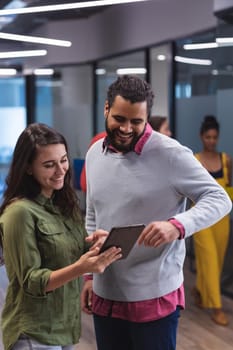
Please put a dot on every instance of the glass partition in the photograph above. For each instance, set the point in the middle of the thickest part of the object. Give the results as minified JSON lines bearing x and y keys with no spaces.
{"x":12,"y":120}
{"x":161,"y":79}
{"x":65,"y":101}
{"x":204,"y":85}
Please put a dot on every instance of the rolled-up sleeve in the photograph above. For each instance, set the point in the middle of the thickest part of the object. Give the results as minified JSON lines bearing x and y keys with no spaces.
{"x":21,"y":253}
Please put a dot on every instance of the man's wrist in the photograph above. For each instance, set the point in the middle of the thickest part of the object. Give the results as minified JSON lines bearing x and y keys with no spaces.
{"x":179,"y":227}
{"x":88,"y":277}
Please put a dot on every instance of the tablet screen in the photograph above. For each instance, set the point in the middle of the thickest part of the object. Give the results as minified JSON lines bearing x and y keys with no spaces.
{"x":124,"y":237}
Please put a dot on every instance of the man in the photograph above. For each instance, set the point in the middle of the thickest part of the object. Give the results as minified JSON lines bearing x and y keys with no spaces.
{"x":141,"y":176}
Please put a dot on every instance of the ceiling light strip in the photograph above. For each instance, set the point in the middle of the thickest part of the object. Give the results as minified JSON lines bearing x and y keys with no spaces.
{"x":122,"y":71}
{"x":8,"y":71}
{"x":62,"y":7}
{"x":34,"y":39}
{"x":190,"y":60}
{"x":100,"y":71}
{"x":228,"y":40}
{"x":25,"y":53}
{"x":200,"y":46}
{"x":43,"y":71}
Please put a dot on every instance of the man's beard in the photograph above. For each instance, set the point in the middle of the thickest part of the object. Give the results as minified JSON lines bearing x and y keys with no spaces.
{"x":118,"y":146}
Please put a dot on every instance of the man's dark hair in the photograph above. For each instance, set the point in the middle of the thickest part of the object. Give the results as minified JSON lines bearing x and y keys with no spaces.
{"x":131,"y":88}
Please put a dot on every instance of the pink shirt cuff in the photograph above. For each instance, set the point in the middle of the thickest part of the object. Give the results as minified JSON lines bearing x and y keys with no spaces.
{"x":179,"y":226}
{"x":88,"y":277}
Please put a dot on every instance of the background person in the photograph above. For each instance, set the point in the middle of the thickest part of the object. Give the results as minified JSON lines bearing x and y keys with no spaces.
{"x":211,"y":243}
{"x":43,"y":245}
{"x":83,"y":181}
{"x":137,"y":175}
{"x":160,"y":124}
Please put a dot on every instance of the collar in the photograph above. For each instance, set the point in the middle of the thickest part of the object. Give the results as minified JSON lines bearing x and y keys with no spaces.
{"x":139,"y":145}
{"x":47,"y":203}
{"x":42,"y":200}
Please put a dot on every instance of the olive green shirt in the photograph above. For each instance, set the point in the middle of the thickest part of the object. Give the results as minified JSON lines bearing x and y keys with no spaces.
{"x":37,"y":239}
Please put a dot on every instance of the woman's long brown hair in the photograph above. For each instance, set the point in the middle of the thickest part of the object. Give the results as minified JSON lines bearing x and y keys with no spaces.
{"x":21,"y":185}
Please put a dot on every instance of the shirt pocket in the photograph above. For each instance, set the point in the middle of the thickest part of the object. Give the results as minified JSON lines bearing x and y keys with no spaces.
{"x":54,"y":243}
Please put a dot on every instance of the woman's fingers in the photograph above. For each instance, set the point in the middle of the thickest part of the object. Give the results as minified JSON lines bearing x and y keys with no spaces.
{"x":96,"y":262}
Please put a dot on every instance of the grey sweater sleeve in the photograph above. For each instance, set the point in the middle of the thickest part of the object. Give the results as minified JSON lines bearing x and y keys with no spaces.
{"x":210,"y":200}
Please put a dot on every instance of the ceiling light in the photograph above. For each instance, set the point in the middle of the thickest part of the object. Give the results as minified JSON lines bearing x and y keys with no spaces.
{"x":62,"y":7}
{"x":25,"y":53}
{"x":224,"y":41}
{"x":161,"y":57}
{"x":43,"y":71}
{"x":35,"y":39}
{"x":200,"y":46}
{"x":212,"y":45}
{"x":189,"y":60}
{"x":100,"y":71}
{"x":122,"y":71}
{"x":8,"y":71}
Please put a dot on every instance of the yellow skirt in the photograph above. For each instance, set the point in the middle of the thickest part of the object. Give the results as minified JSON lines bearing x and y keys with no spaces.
{"x":210,"y":248}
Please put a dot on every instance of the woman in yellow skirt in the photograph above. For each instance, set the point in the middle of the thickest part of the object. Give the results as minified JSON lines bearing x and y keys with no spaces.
{"x":211,"y":244}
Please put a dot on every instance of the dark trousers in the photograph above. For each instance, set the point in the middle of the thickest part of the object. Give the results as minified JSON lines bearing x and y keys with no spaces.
{"x":117,"y":334}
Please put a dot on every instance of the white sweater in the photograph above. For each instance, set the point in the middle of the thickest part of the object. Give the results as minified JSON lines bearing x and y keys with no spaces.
{"x":125,"y":189}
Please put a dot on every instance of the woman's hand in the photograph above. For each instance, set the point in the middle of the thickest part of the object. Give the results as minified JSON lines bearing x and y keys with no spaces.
{"x":94,"y":262}
{"x":90,"y":262}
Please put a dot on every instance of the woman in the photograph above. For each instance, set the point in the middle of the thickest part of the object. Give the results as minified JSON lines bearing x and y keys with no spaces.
{"x":160,"y":124}
{"x":211,"y":243}
{"x":44,"y":245}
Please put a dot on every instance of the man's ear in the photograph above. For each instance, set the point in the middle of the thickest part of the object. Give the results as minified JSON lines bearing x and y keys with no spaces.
{"x":106,"y":109}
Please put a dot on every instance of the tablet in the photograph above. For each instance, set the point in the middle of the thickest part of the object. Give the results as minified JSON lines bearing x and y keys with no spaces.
{"x":124,"y":237}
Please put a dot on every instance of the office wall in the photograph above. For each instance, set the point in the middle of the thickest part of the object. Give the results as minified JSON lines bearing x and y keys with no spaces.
{"x":72,"y":114}
{"x":224,"y":114}
{"x":120,"y":28}
{"x":160,"y":79}
{"x":190,"y":112}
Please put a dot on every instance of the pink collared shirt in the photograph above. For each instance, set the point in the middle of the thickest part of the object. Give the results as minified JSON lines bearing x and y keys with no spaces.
{"x":140,"y":311}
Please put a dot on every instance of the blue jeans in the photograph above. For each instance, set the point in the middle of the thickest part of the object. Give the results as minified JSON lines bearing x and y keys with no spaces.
{"x":26,"y":343}
{"x":115,"y":334}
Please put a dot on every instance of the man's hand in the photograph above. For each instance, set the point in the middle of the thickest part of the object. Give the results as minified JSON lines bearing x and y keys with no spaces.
{"x":86,"y":297}
{"x":157,"y":233}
